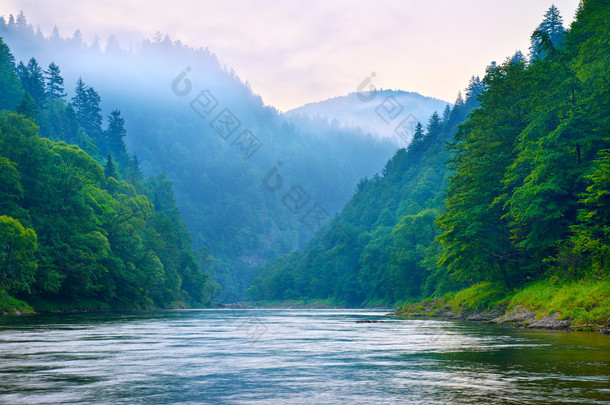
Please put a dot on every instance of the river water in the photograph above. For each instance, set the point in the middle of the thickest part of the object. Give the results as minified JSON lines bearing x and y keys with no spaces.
{"x":258,"y":356}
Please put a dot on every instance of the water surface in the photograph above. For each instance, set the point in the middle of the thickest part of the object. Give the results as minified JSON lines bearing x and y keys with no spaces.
{"x":227,"y":356}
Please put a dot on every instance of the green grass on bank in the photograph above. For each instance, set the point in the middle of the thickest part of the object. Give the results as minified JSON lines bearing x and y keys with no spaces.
{"x":13,"y":306}
{"x":479,"y":297}
{"x":582,"y":302}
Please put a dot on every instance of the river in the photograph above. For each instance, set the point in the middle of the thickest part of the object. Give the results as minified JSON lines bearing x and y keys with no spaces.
{"x":289,"y":356}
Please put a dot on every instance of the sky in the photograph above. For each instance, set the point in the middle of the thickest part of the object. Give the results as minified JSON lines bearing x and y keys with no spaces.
{"x":294,"y":52}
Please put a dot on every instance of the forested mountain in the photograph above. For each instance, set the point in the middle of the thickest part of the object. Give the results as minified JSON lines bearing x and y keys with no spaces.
{"x":177,"y":103}
{"x":74,"y":234}
{"x":373,"y":252}
{"x":525,"y":195}
{"x":372,"y":110}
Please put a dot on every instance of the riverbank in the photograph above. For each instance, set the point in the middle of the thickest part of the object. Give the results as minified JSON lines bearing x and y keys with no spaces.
{"x":13,"y":306}
{"x":542,"y":305}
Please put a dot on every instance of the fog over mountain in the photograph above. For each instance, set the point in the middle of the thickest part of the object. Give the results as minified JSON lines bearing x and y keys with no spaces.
{"x":175,"y":101}
{"x":371,"y":111}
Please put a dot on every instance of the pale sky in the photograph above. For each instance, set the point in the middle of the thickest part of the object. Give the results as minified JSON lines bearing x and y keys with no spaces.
{"x":298,"y":51}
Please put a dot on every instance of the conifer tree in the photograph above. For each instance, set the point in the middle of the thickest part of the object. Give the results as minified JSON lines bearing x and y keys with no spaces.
{"x":115,"y":134}
{"x":55,"y":83}
{"x":551,"y":28}
{"x":110,"y":168}
{"x":32,"y":80}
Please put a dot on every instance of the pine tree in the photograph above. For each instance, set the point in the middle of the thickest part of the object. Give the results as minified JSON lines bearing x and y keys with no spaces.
{"x":55,"y":83}
{"x":518,"y":58}
{"x":475,"y":87}
{"x":86,"y":102}
{"x":434,"y":124}
{"x":9,"y":81}
{"x":21,"y":22}
{"x":110,"y":168}
{"x":55,"y":35}
{"x":79,"y":101}
{"x":115,"y":134}
{"x":551,"y":29}
{"x":32,"y":80}
{"x":447,"y":115}
{"x":418,"y":136}
{"x":93,"y":112}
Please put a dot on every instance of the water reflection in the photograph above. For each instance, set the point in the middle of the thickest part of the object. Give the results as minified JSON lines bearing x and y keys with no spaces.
{"x":292,"y":356}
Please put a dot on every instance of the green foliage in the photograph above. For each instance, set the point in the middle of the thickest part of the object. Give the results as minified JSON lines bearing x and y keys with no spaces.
{"x":377,"y":251}
{"x":9,"y":81}
{"x":526,"y":199}
{"x":101,"y":243}
{"x":478,"y":297}
{"x":13,"y":306}
{"x":17,"y":248}
{"x":526,"y":191}
{"x":582,"y":301}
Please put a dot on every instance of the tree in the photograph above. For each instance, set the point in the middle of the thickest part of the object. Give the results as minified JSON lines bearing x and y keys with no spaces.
{"x":475,"y":230}
{"x":115,"y":134}
{"x":110,"y":168}
{"x":9,"y":81}
{"x":551,"y":28}
{"x":447,"y":115}
{"x":86,"y":102}
{"x":55,"y":83}
{"x":434,"y":125}
{"x":592,"y":234}
{"x":17,"y":249}
{"x":32,"y":80}
{"x":27,"y":107}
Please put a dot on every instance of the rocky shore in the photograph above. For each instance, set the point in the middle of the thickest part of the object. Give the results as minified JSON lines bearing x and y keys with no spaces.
{"x":518,"y":316}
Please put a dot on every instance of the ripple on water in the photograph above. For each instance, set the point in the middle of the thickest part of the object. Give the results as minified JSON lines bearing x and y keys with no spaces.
{"x":292,"y":357}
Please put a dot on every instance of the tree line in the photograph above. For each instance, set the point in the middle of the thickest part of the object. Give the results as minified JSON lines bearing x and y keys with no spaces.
{"x":518,"y":192}
{"x":73,"y":233}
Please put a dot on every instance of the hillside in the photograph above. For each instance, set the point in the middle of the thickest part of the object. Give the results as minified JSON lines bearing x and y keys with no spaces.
{"x":218,"y":173}
{"x":512,"y":206}
{"x":376,"y":112}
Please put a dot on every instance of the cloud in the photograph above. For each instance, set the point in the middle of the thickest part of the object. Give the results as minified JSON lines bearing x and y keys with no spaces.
{"x":294,"y":52}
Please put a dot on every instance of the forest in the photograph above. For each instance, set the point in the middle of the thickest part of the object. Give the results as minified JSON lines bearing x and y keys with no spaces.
{"x":236,"y":222}
{"x":509,"y":188}
{"x":80,"y":226}
{"x":506,"y":188}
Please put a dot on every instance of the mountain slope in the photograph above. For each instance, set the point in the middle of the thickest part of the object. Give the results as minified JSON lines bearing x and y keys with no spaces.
{"x":372,"y":251}
{"x":377,"y":112}
{"x":222,"y":175}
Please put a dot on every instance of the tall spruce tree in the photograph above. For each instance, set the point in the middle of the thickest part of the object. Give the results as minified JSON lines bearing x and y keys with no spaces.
{"x":55,"y":83}
{"x":551,"y":29}
{"x":115,"y":134}
{"x":32,"y":80}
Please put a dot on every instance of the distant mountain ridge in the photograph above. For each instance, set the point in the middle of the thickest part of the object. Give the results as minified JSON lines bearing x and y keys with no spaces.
{"x":371,"y":111}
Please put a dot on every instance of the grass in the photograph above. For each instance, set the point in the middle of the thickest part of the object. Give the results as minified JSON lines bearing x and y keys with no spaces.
{"x":479,"y":297}
{"x":583,"y":301}
{"x":13,"y":306}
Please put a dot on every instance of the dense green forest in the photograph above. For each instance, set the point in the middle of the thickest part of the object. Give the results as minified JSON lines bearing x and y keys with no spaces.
{"x":74,"y":234}
{"x":518,"y":193}
{"x":218,"y":187}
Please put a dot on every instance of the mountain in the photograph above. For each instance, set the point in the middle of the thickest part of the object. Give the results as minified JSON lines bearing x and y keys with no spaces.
{"x":510,"y":208}
{"x":250,"y":183}
{"x":378,"y":112}
{"x":371,"y":253}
